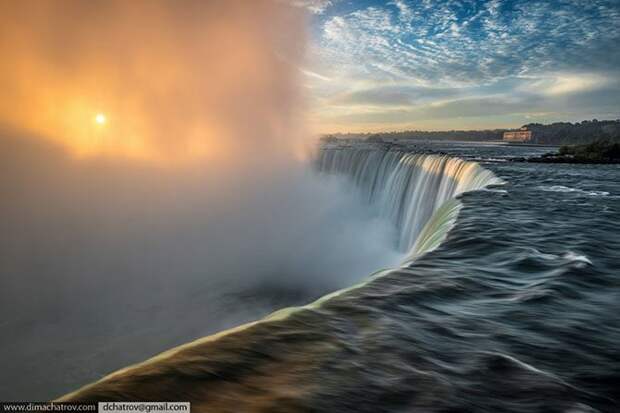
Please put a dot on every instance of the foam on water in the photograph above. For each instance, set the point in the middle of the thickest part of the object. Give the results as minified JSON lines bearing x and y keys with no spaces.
{"x":562,"y":188}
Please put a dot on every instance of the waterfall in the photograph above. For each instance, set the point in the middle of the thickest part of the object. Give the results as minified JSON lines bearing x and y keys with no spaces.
{"x":416,"y":192}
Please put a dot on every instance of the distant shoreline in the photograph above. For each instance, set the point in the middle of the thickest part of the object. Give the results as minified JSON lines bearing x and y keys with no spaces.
{"x":527,"y":144}
{"x":599,"y":152}
{"x":554,"y":134}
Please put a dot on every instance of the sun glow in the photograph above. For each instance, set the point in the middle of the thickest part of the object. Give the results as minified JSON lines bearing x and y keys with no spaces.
{"x":165,"y":104}
{"x":100,"y":119}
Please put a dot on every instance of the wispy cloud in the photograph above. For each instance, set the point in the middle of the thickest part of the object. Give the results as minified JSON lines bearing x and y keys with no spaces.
{"x":484,"y":49}
{"x":566,"y":83}
{"x":396,"y":95}
{"x":314,"y":6}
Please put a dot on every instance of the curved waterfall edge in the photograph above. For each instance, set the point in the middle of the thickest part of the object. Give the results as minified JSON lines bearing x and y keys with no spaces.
{"x":417,"y":193}
{"x":435,"y":231}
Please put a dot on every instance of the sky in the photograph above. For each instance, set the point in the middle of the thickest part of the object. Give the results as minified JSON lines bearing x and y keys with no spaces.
{"x":465,"y":64}
{"x":173,"y":81}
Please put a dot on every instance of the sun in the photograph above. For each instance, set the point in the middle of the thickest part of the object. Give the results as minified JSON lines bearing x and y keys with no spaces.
{"x":100,"y":118}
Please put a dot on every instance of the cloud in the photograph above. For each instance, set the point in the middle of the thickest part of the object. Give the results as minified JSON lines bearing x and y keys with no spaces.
{"x":566,"y":83}
{"x":513,"y":101}
{"x":314,"y":6}
{"x":514,"y":48}
{"x":485,"y":41}
{"x":405,"y":13}
{"x":393,"y":95}
{"x":169,"y":90}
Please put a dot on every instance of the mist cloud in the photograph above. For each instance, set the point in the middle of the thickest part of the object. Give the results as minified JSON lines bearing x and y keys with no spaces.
{"x":190,"y":212}
{"x":184,"y":79}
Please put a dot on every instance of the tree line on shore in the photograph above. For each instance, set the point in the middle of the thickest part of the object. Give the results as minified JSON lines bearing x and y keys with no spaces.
{"x":558,"y":133}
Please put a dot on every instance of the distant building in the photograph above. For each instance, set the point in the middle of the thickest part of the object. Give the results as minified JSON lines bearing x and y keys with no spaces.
{"x":521,"y":135}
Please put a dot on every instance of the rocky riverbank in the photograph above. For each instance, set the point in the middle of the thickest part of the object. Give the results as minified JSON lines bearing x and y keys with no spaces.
{"x":600,"y":152}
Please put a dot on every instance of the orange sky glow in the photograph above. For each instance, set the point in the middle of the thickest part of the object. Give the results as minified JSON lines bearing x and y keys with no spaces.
{"x":172,"y":82}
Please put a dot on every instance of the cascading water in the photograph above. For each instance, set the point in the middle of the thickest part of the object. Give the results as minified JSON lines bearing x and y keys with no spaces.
{"x":416,"y":192}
